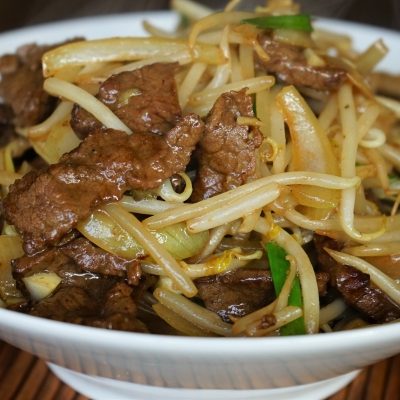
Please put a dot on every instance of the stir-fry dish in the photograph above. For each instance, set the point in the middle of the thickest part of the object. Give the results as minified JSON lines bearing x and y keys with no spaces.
{"x":238,"y":176}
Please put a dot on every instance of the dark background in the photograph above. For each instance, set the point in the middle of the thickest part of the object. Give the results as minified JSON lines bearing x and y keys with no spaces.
{"x":18,"y":13}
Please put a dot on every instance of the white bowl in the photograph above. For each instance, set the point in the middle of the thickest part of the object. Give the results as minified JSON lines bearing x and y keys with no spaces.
{"x":116,"y":365}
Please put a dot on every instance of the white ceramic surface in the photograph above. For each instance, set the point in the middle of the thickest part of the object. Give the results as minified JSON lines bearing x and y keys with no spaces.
{"x":108,"y":364}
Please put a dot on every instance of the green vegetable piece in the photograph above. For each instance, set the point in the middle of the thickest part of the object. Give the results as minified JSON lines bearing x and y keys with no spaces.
{"x":184,"y":21}
{"x":299,"y":22}
{"x":279,"y":269}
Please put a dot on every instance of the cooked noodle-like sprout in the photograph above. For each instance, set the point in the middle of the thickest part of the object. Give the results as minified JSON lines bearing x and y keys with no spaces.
{"x":71,"y":92}
{"x":250,"y":121}
{"x":329,"y":113}
{"x":188,"y":85}
{"x":167,"y":192}
{"x":374,"y":138}
{"x":366,"y":120}
{"x":135,"y":228}
{"x":253,"y":85}
{"x":216,"y":20}
{"x":246,"y":60}
{"x":348,"y":168}
{"x":234,"y":209}
{"x":197,"y":315}
{"x":371,"y":57}
{"x":287,"y":178}
{"x":241,"y":324}
{"x":278,"y":136}
{"x":283,"y":298}
{"x":232,"y":4}
{"x":378,"y":161}
{"x":308,"y":223}
{"x":181,"y":57}
{"x":60,"y":114}
{"x":191,"y":9}
{"x":216,"y":236}
{"x":391,"y":153}
{"x":282,"y":317}
{"x":182,"y":325}
{"x":272,"y":152}
{"x":391,"y":104}
{"x":381,"y":280}
{"x":125,"y":49}
{"x":396,"y":205}
{"x":373,"y":249}
{"x":155,"y":31}
{"x":332,"y":311}
{"x":146,"y":206}
{"x":221,"y":263}
{"x":249,"y":221}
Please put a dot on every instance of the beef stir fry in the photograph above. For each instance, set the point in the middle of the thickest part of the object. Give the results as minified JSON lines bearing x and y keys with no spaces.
{"x":238,"y":180}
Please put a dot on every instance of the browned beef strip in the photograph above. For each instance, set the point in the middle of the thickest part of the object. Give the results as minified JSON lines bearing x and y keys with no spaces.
{"x":236,"y":293}
{"x":322,"y":282}
{"x":242,"y":291}
{"x":80,"y":252}
{"x":93,"y":259}
{"x":355,"y":286}
{"x":112,"y":309}
{"x":21,"y":84}
{"x":227,"y":150}
{"x":145,"y":100}
{"x":65,"y":304}
{"x":91,"y":291}
{"x":289,"y":65}
{"x":46,"y":205}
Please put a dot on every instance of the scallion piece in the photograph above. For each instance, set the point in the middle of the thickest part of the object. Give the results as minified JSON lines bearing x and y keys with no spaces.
{"x":299,"y":22}
{"x":279,"y":267}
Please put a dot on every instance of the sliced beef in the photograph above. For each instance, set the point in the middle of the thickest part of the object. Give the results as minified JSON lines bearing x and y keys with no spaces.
{"x":80,"y":252}
{"x":65,"y":304}
{"x":113,"y":309}
{"x":93,"y":259}
{"x":355,"y":286}
{"x":322,"y":282}
{"x":290,"y":66}
{"x":236,"y":293}
{"x":46,"y":205}
{"x":21,"y":85}
{"x":92,"y":289}
{"x":145,"y":100}
{"x":227,"y":150}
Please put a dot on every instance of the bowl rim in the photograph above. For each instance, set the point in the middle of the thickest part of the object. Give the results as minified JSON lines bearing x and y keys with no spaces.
{"x":73,"y":333}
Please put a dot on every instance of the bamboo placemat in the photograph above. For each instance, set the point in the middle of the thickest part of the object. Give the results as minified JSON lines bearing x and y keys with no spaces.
{"x":25,"y":377}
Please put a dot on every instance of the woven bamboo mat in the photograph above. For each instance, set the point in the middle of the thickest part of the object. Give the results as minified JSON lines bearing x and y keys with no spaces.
{"x":25,"y":377}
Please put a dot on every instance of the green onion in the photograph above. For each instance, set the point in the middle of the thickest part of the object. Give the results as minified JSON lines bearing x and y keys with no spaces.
{"x":184,"y":21}
{"x":299,"y":22}
{"x":279,"y":269}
